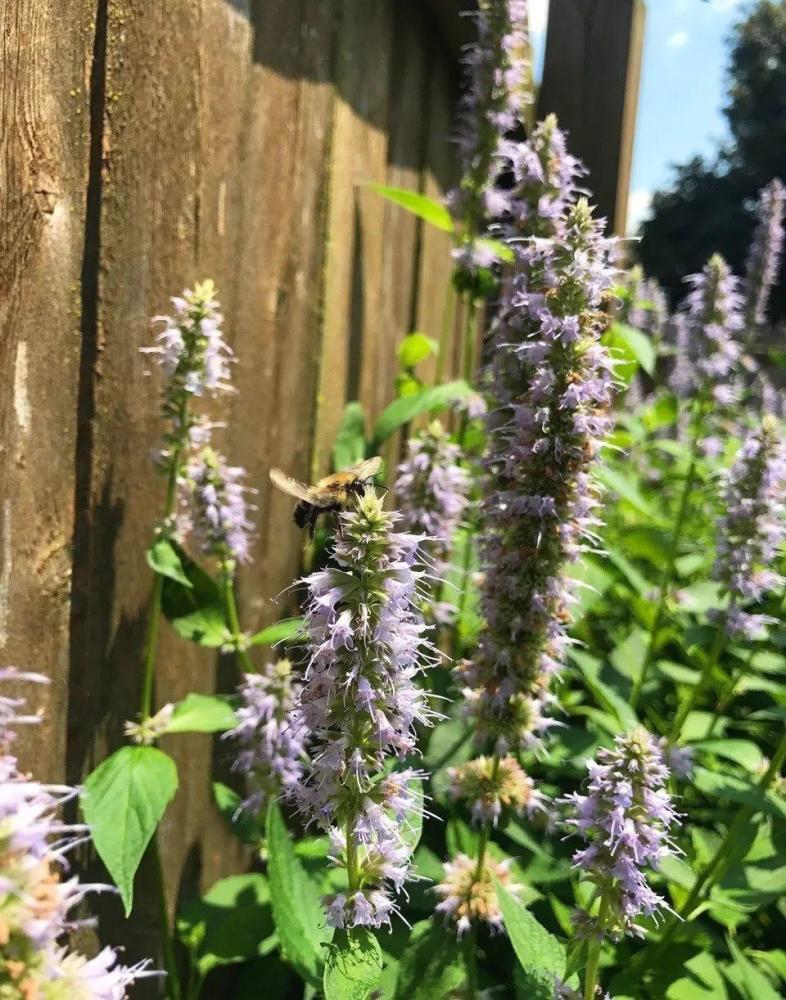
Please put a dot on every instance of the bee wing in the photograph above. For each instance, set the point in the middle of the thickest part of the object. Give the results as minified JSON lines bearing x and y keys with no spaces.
{"x":289,"y":485}
{"x":369,"y":468}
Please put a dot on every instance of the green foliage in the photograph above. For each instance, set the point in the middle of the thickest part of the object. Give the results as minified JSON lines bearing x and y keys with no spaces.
{"x":123,"y":801}
{"x":202,"y":713}
{"x":430,"y":211}
{"x":431,"y":965}
{"x":297,"y":907}
{"x":349,"y":448}
{"x":403,"y":410}
{"x":195,"y":610}
{"x":541,"y":956}
{"x":353,"y":965}
{"x":286,"y":630}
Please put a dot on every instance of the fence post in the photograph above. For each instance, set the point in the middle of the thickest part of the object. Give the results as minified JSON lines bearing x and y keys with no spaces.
{"x":591,"y":82}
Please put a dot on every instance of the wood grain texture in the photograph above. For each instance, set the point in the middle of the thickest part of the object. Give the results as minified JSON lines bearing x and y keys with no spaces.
{"x":45,"y":59}
{"x":591,"y":82}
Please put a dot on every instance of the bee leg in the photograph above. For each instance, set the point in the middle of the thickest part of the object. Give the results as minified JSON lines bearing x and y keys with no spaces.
{"x":312,"y":523}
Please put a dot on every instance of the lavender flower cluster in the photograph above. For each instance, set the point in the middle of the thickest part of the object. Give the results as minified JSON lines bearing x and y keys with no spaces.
{"x":35,"y":902}
{"x":432,"y":489}
{"x":764,"y":257}
{"x":713,"y":321}
{"x":359,"y":706}
{"x":551,"y":386}
{"x":216,"y":511}
{"x":752,"y":528}
{"x":625,"y":819}
{"x":196,"y":361}
{"x":269,"y":734}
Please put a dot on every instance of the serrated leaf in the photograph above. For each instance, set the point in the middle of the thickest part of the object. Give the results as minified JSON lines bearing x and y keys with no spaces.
{"x":123,"y":801}
{"x":425,"y":208}
{"x":165,"y":557}
{"x":402,"y":411}
{"x":541,"y":955}
{"x":353,"y":965}
{"x":286,"y":629}
{"x":349,"y":447}
{"x":195,"y":612}
{"x":232,"y":922}
{"x":202,"y":713}
{"x":431,"y":965}
{"x":297,"y":908}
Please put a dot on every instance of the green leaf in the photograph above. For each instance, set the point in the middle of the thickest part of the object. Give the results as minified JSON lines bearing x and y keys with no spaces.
{"x":414,"y":348}
{"x":742,"y":752}
{"x":627,"y":489}
{"x":402,"y":411}
{"x":501,"y":250}
{"x":286,"y":629}
{"x":202,"y":713}
{"x":195,"y":612}
{"x":602,"y":685}
{"x":231,"y":923}
{"x":123,"y":801}
{"x":353,"y":966}
{"x":242,"y":823}
{"x":535,"y":947}
{"x":166,"y":558}
{"x":431,"y":965}
{"x":632,"y":348}
{"x":729,"y":786}
{"x":541,"y":955}
{"x":428,"y":209}
{"x":297,"y":908}
{"x":349,"y":447}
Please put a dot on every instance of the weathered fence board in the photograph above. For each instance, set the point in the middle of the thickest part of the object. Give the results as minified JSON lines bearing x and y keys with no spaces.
{"x":44,"y":121}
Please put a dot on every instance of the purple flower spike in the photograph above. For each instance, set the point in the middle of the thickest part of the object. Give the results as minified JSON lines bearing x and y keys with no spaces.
{"x":212,"y":495}
{"x":714,"y":319}
{"x":36,"y":904}
{"x":551,"y":384}
{"x":625,"y":819}
{"x":269,"y":734}
{"x":764,"y":257}
{"x":432,"y":490}
{"x":753,"y":528}
{"x":360,"y":706}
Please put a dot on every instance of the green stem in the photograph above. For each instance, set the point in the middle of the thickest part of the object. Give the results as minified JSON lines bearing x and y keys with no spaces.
{"x":463,"y":595}
{"x":593,"y":955}
{"x":170,"y":963}
{"x":728,"y":693}
{"x":471,"y":964}
{"x":668,"y":573}
{"x":233,"y":620}
{"x":706,"y":673}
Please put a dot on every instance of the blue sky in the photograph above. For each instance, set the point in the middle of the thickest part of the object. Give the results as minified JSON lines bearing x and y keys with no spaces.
{"x":682,"y":92}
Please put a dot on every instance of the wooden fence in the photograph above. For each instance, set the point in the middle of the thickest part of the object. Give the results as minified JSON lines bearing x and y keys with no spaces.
{"x":146,"y":146}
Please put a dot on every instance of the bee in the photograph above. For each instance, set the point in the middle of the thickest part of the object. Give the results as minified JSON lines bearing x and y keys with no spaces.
{"x":332,"y":494}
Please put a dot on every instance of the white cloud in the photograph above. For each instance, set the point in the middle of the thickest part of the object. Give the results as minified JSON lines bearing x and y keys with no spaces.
{"x":639,"y":204}
{"x":723,"y":4}
{"x":538,"y":16}
{"x":677,"y":40}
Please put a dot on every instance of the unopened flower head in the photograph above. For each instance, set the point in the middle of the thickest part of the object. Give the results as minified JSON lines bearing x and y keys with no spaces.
{"x":35,"y":902}
{"x":752,"y":529}
{"x":493,"y":787}
{"x":625,"y":819}
{"x":468,"y":897}
{"x":268,"y":734}
{"x":196,"y":360}
{"x":213,"y":494}
{"x":432,"y":490}
{"x":764,"y":257}
{"x":147,"y":731}
{"x":713,"y":310}
{"x":360,"y":705}
{"x":551,"y":384}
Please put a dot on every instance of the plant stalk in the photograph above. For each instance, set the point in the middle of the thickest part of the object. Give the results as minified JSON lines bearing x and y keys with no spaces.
{"x":668,"y":574}
{"x":233,"y":619}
